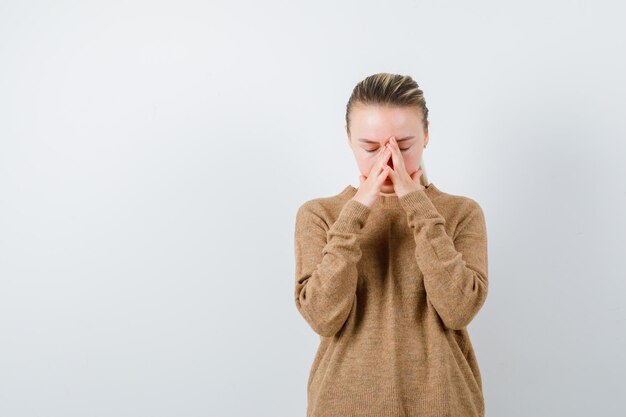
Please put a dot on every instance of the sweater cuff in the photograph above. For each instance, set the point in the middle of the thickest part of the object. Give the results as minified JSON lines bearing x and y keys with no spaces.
{"x":418,"y":202}
{"x":352,"y":217}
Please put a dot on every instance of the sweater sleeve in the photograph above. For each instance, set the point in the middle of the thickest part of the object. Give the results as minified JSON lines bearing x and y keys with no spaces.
{"x":455,"y":270}
{"x":326,"y":265}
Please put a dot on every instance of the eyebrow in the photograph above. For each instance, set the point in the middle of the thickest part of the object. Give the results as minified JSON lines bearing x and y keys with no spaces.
{"x":397,"y":140}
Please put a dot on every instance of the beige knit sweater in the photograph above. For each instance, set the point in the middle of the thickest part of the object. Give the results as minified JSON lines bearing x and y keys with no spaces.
{"x":390,"y":290}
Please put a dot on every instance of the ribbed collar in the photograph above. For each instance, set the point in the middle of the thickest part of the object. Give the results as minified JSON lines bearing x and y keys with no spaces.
{"x":390,"y":201}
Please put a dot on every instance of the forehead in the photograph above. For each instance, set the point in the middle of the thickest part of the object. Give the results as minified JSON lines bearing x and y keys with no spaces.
{"x":381,"y":120}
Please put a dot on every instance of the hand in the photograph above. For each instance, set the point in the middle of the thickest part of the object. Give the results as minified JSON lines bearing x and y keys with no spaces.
{"x":369,"y":190}
{"x":403,"y":183}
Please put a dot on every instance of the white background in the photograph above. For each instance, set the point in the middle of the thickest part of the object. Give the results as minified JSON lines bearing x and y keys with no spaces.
{"x":153,"y":155}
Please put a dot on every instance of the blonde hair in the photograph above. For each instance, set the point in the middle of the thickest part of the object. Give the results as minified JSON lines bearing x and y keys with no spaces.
{"x":393,"y":90}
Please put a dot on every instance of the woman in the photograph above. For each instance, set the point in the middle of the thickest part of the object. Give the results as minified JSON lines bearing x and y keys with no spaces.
{"x":390,"y":274}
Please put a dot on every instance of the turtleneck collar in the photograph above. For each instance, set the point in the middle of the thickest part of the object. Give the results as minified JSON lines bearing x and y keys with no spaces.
{"x":390,"y":201}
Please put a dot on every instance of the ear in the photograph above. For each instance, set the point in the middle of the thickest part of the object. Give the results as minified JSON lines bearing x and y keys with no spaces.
{"x":426,"y":139}
{"x":347,"y":134}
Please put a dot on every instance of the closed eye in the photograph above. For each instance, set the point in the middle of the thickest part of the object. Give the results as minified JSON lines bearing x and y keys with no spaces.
{"x":402,"y":149}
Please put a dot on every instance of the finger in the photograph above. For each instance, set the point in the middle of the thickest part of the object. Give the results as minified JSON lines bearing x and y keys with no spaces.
{"x":375,"y":166}
{"x":416,"y":175}
{"x":396,"y":154}
{"x":383,"y":157}
{"x":383,"y":176}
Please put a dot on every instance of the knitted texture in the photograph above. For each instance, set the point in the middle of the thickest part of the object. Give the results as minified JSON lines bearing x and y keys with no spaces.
{"x":390,"y":289}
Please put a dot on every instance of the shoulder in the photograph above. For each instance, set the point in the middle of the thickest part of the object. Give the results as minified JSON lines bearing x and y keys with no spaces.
{"x":461,"y":205}
{"x":321,"y":210}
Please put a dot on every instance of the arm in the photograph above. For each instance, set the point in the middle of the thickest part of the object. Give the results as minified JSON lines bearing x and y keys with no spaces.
{"x":326,"y":271}
{"x":455,"y":270}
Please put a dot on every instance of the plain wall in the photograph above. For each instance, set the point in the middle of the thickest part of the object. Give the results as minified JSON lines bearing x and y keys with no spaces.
{"x":153,"y":155}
